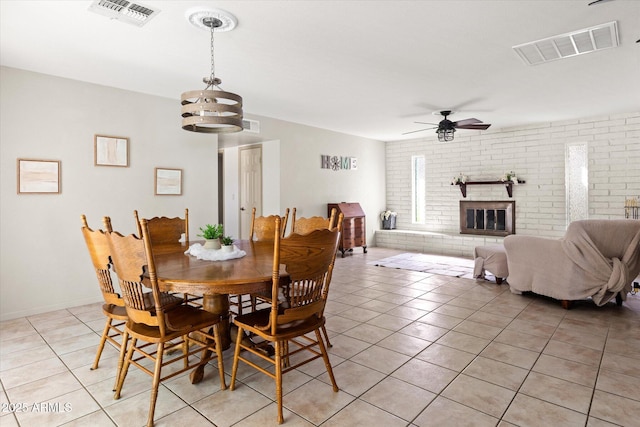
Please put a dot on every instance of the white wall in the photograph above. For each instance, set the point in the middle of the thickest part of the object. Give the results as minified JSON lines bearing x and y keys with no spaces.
{"x":231,"y":206}
{"x":303,"y":183}
{"x":271,"y":173}
{"x":537,"y":154}
{"x":44,"y":263}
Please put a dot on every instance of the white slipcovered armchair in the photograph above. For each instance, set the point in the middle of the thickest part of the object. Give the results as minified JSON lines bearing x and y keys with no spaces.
{"x":595,"y":259}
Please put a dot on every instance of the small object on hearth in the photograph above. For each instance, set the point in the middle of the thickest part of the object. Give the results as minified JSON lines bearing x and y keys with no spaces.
{"x":388,"y":220}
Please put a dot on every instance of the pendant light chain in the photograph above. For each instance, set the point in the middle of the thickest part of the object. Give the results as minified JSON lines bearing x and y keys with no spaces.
{"x":213,"y":67}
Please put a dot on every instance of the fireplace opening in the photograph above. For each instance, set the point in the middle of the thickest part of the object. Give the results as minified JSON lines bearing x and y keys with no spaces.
{"x":491,"y":218}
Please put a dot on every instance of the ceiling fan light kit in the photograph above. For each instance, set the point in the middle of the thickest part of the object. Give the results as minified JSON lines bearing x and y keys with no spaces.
{"x":211,"y":110}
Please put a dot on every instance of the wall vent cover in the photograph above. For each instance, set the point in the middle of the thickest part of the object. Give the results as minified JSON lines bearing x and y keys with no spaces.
{"x":578,"y":42}
{"x":251,"y":126}
{"x":123,"y":10}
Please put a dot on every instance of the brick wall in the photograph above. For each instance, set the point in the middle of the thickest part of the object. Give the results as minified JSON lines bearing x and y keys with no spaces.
{"x":536,"y":153}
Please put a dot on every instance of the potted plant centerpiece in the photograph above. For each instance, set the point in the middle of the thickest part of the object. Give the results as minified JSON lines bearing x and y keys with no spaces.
{"x":227,"y":244}
{"x":212,"y":235}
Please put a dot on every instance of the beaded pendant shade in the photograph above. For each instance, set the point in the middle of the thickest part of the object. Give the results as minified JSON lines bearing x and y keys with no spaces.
{"x":212,"y":110}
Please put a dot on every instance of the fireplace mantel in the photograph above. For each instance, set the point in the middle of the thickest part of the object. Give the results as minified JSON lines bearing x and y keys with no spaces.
{"x":508,"y":185}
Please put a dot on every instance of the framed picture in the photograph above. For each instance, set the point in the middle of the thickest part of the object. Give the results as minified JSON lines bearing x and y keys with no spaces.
{"x":111,"y":151}
{"x":38,"y":176}
{"x":168,"y":182}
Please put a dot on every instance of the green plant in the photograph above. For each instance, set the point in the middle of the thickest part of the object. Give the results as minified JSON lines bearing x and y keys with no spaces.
{"x":227,"y":241}
{"x":211,"y":231}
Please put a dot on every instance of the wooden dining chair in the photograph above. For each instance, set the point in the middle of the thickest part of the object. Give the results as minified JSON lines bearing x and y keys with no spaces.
{"x":169,"y":231}
{"x":308,"y":259}
{"x":262,"y":228}
{"x":166,"y":231}
{"x":306,"y":225}
{"x":183,"y":325}
{"x":113,"y":307}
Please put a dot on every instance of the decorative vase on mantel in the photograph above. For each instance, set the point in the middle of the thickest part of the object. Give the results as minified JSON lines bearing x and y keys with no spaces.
{"x":212,"y":244}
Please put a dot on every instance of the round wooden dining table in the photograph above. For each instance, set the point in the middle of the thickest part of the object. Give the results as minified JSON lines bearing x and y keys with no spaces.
{"x":181,"y":272}
{"x":215,"y":280}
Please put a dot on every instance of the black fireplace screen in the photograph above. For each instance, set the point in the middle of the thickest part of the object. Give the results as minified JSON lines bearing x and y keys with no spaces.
{"x":492,"y":218}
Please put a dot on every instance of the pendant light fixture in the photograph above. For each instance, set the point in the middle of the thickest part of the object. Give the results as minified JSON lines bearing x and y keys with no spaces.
{"x":211,"y":110}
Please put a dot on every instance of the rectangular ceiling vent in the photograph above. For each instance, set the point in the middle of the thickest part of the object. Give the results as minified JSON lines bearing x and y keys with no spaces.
{"x":123,"y":10}
{"x":578,"y":42}
{"x":251,"y":126}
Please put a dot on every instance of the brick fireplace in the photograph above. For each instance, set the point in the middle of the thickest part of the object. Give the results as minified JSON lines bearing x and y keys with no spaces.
{"x":488,"y":218}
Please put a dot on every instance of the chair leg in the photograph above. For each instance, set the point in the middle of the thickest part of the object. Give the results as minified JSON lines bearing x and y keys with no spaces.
{"x":123,"y":352}
{"x":239,"y":296}
{"x":278,"y":363}
{"x":156,"y":383}
{"x":218,"y":341}
{"x":125,"y":367}
{"x":185,"y":350}
{"x":327,"y":363}
{"x":236,"y":356}
{"x":285,"y":354}
{"x":103,"y":340}
{"x":326,"y":336}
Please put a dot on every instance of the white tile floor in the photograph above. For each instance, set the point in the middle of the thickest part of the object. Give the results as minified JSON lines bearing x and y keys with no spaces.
{"x":409,"y":349}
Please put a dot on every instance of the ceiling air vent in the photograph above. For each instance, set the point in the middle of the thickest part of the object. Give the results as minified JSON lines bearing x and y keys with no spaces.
{"x":251,"y":126}
{"x":578,"y":42}
{"x":123,"y":10}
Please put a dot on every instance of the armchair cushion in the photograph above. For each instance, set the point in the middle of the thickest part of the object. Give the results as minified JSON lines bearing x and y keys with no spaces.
{"x":595,"y":259}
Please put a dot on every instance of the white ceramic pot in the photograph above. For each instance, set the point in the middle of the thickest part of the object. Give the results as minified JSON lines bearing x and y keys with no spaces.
{"x":227,"y":248}
{"x":212,"y":244}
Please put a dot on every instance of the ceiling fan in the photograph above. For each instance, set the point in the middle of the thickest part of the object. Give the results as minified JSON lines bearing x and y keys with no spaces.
{"x":446,"y":127}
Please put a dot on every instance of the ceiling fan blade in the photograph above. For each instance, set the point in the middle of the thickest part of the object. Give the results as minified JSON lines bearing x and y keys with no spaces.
{"x":414,"y":131}
{"x":466,"y":122}
{"x":426,"y":123}
{"x":475,"y":126}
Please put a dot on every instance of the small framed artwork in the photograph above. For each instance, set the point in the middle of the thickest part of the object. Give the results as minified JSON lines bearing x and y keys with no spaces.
{"x":38,"y":176}
{"x":111,"y":151}
{"x":168,"y":182}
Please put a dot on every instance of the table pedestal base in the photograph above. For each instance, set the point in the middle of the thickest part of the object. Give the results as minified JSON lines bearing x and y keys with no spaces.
{"x":218,"y":304}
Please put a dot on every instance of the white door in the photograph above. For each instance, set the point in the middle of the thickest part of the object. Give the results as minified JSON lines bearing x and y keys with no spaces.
{"x":250,"y":187}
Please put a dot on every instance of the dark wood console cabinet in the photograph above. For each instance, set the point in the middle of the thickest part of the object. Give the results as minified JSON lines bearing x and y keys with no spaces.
{"x":354,"y":226}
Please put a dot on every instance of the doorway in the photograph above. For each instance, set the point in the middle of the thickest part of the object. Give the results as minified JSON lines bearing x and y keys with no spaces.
{"x":250,"y":186}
